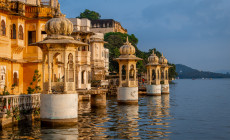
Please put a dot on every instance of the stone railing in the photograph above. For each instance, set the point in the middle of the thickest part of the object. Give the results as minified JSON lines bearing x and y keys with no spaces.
{"x":22,"y":102}
{"x":39,"y":12}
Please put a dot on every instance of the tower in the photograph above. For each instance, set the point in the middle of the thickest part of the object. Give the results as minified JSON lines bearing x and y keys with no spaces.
{"x":164,"y":74}
{"x":128,"y":84}
{"x":59,"y":101}
{"x":153,"y":75}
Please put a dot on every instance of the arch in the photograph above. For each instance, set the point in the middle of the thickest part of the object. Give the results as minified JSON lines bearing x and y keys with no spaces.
{"x":3,"y":28}
{"x":20,"y":32}
{"x":131,"y":73}
{"x":123,"y":72}
{"x":15,"y":78}
{"x":153,"y":75}
{"x":70,"y":68}
{"x":83,"y":77}
{"x":13,"y":31}
{"x":158,"y":74}
{"x":162,"y":74}
{"x":89,"y":77}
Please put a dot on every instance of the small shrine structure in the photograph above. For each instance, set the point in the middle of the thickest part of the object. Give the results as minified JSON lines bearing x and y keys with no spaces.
{"x":153,"y":75}
{"x":59,"y":101}
{"x":164,"y":75}
{"x":128,"y":84}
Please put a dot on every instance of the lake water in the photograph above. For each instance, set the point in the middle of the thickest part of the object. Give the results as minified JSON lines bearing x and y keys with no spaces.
{"x":195,"y":109}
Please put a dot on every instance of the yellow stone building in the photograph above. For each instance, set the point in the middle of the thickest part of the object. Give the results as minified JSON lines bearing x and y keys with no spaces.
{"x":22,"y":23}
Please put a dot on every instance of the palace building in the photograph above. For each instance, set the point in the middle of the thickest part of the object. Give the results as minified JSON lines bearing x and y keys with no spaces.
{"x":22,"y":22}
{"x":106,"y":26}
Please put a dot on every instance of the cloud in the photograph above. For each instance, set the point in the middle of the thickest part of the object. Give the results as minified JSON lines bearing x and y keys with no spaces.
{"x":199,"y":18}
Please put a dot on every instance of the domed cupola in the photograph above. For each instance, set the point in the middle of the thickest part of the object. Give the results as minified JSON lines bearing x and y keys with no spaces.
{"x":127,"y":48}
{"x":163,"y":60}
{"x":59,"y":27}
{"x":153,"y":59}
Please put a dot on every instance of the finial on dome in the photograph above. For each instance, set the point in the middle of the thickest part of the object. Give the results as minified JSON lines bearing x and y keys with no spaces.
{"x":153,"y":51}
{"x":58,"y":13}
{"x":127,"y":39}
{"x":162,"y":54}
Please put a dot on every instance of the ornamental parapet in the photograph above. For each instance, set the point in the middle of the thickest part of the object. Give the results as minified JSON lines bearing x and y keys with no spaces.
{"x":29,"y":10}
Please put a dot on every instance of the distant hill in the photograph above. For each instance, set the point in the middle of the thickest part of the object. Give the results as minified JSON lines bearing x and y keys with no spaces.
{"x":185,"y":72}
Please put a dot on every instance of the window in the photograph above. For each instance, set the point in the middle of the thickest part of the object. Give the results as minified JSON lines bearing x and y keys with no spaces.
{"x":15,"y":78}
{"x":31,"y":37}
{"x":162,"y":75}
{"x":3,"y":28}
{"x":123,"y":72}
{"x":82,"y":77}
{"x":13,"y":31}
{"x":83,"y":48}
{"x":158,"y":73}
{"x":153,"y":75}
{"x":20,"y":32}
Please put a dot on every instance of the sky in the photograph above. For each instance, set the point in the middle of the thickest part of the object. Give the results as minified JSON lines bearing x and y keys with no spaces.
{"x":195,"y":33}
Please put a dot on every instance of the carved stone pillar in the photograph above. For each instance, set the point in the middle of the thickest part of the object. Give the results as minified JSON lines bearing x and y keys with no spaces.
{"x":43,"y":70}
{"x":65,"y":72}
{"x":49,"y":73}
{"x":120,"y":75}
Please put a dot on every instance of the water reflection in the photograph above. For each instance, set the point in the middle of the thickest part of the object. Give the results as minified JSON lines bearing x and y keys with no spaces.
{"x":91,"y":121}
{"x":158,"y":115}
{"x":148,"y":120}
{"x":127,"y":123}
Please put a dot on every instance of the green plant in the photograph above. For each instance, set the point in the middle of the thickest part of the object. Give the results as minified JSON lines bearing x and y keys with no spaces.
{"x":13,"y":87}
{"x":8,"y":113}
{"x":36,"y":111}
{"x":34,"y":87}
{"x":16,"y":113}
{"x":5,"y":92}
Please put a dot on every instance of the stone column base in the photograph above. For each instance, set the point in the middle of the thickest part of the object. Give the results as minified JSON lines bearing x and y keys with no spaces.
{"x":59,"y":109}
{"x":165,"y":89}
{"x":58,"y":122}
{"x":154,"y":90}
{"x":127,"y":95}
{"x":98,"y":100}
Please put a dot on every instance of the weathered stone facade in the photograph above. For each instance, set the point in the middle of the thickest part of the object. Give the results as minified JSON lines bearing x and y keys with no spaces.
{"x":22,"y":23}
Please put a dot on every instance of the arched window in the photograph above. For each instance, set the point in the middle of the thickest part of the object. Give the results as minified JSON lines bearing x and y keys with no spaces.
{"x":162,"y":75}
{"x":82,"y":77}
{"x":153,"y":75}
{"x":131,"y":73}
{"x":123,"y":72}
{"x":13,"y":31}
{"x":71,"y":69}
{"x":158,"y":73}
{"x":15,"y":78}
{"x":3,"y":28}
{"x":20,"y":32}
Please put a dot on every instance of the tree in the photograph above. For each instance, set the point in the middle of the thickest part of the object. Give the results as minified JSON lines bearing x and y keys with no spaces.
{"x":116,"y":40}
{"x":34,"y":87}
{"x":91,"y":15}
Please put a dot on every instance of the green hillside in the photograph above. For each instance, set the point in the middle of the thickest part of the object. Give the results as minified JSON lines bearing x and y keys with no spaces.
{"x":185,"y":72}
